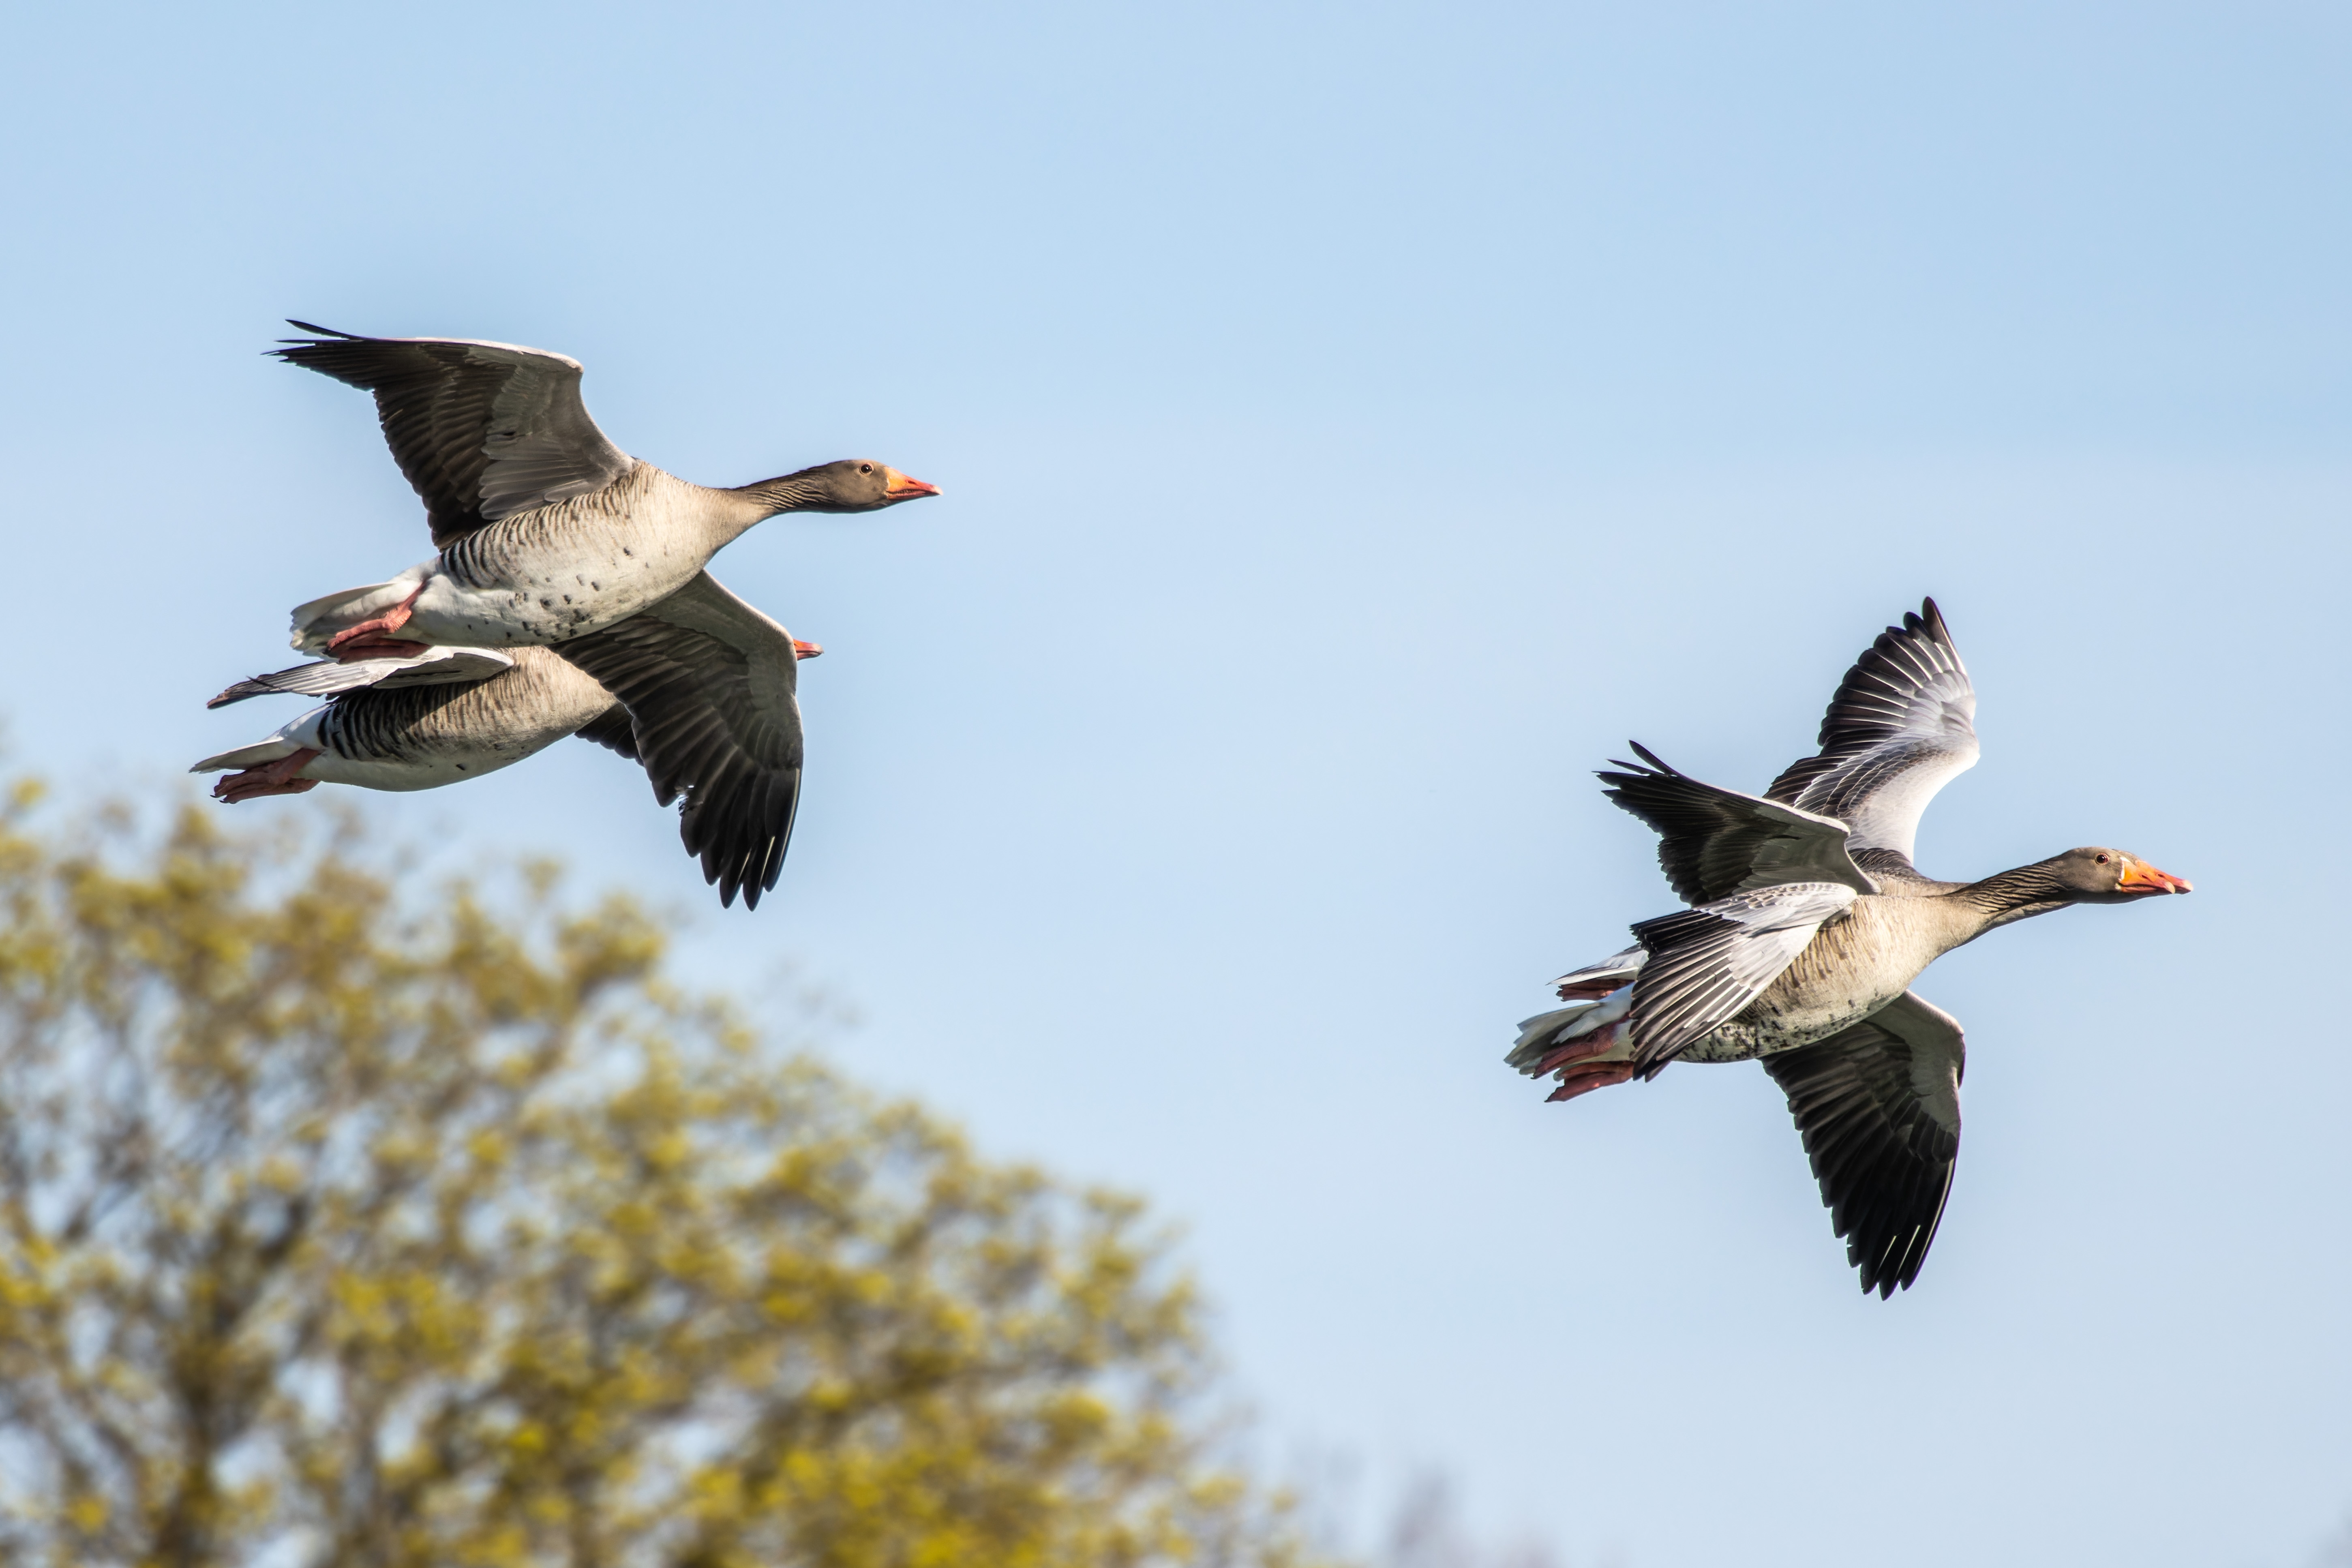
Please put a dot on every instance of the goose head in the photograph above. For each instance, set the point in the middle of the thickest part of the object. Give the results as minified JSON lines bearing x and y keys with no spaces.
{"x":2101,"y":875}
{"x":855,"y":484}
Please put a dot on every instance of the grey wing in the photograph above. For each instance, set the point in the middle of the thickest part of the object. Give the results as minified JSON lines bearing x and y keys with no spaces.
{"x":1707,"y":965}
{"x":1714,"y":842}
{"x":1878,"y":1105}
{"x":1900,"y":726}
{"x":480,"y":429}
{"x":614,"y":731}
{"x":709,"y":684}
{"x":325,"y":677}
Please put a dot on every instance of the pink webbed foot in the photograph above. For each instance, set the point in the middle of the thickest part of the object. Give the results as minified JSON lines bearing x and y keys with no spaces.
{"x":270,"y":778}
{"x":1589,"y":990}
{"x":1584,"y":1080}
{"x":806,"y":650}
{"x":1578,"y":1073}
{"x":373,"y":638}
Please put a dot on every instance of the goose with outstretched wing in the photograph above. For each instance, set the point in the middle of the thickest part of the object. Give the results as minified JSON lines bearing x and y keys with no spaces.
{"x":546,"y":531}
{"x":700,"y":689}
{"x":1809,"y":923}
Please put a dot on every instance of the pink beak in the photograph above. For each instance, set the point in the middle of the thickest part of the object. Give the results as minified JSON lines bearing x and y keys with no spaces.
{"x":2141,"y":877}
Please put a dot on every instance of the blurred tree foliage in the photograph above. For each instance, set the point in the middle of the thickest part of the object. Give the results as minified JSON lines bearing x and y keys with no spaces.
{"x":334,"y":1232}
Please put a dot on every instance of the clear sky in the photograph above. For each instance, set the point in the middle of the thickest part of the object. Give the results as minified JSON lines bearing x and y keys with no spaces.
{"x":1356,"y":421}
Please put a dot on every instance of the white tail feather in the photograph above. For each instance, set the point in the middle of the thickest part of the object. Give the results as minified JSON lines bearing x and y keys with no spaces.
{"x":316,"y":623}
{"x":1540,"y":1035}
{"x":303,"y":734}
{"x":275,"y":748}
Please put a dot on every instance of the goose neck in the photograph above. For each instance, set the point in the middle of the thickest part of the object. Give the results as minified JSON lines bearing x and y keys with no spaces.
{"x":2016,"y":895}
{"x":786,"y":492}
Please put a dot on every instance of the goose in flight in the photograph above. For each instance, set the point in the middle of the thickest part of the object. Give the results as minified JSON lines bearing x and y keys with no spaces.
{"x":546,"y":530}
{"x":700,"y":688}
{"x":1808,"y":925}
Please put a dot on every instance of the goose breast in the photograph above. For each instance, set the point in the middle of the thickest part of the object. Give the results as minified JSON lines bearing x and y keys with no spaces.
{"x":1853,"y":966}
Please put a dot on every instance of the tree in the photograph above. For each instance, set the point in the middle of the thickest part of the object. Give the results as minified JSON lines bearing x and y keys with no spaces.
{"x":343,"y":1225}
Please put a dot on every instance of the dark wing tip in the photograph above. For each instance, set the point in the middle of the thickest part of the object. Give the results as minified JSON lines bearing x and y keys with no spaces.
{"x":321,"y":331}
{"x":1651,"y":766}
{"x":1928,"y":620}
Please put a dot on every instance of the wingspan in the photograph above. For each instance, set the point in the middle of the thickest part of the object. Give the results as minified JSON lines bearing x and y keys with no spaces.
{"x":480,"y":429}
{"x":1707,"y":965}
{"x":709,"y":683}
{"x":1900,"y":726}
{"x":1878,"y":1105}
{"x":1714,"y":842}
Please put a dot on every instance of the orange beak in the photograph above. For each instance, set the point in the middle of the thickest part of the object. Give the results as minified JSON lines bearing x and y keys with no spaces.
{"x":898,"y":486}
{"x":2139,"y":876}
{"x":806,"y":650}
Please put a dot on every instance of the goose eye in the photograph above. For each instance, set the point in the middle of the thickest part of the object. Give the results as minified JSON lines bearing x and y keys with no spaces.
{"x":865,"y":468}
{"x":2102,"y":859}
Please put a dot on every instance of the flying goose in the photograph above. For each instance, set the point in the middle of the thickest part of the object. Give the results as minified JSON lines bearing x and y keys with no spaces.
{"x":546,"y":530}
{"x":700,"y":688}
{"x":1808,"y":925}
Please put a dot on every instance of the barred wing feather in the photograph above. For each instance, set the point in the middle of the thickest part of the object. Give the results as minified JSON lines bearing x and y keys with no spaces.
{"x":1707,"y":965}
{"x":327,"y":677}
{"x":480,"y":429}
{"x":1878,"y":1105}
{"x":1900,"y":726}
{"x":1714,"y":842}
{"x":709,"y":684}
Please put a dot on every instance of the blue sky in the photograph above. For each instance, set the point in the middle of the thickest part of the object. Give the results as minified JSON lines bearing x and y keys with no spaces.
{"x":1355,"y":422}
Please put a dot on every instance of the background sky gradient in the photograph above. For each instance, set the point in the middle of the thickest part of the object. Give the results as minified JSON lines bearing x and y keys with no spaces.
{"x":1356,"y":421}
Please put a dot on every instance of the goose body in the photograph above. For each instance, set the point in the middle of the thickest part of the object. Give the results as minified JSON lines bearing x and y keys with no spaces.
{"x":549,"y":573}
{"x":698,"y":687}
{"x":1855,"y":963}
{"x":1808,"y":927}
{"x":545,"y":529}
{"x":412,"y":736}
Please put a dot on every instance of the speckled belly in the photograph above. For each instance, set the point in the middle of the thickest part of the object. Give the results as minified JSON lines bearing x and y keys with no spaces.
{"x":559,"y":570}
{"x":1757,"y":1032}
{"x":544,"y":607}
{"x":1847,"y":972}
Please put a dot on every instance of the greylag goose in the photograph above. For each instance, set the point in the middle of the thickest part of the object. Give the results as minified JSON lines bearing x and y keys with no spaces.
{"x":700,"y":688}
{"x":384,"y":727}
{"x":1809,"y":924}
{"x":545,"y":529}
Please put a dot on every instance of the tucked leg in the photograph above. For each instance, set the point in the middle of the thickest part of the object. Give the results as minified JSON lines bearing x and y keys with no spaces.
{"x":374,"y":640}
{"x":1584,"y":1080}
{"x":270,"y":778}
{"x":1582,"y":1049}
{"x":1579,"y":1072}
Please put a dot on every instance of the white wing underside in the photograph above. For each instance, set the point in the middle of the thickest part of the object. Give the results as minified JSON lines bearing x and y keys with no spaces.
{"x":1884,"y":812}
{"x":1900,"y":726}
